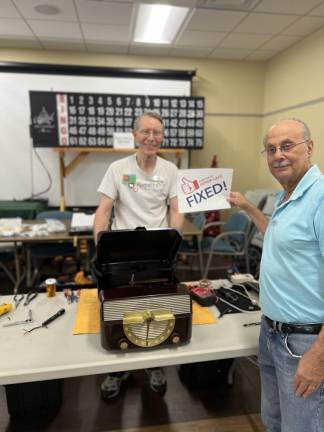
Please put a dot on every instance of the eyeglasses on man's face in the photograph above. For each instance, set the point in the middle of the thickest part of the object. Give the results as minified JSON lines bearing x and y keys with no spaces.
{"x":157,"y":133}
{"x":286,"y":147}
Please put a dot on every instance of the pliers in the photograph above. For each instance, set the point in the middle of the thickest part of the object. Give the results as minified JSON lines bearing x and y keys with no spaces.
{"x":30,"y":296}
{"x":17,"y":299}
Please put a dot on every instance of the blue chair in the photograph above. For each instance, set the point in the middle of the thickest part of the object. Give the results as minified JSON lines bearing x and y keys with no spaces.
{"x":231,"y":242}
{"x":37,"y":252}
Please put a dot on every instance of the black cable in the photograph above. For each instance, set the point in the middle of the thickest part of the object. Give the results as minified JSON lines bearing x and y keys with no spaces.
{"x":48,"y":176}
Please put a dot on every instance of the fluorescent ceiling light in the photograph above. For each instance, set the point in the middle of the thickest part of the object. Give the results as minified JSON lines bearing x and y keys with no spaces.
{"x":158,"y":23}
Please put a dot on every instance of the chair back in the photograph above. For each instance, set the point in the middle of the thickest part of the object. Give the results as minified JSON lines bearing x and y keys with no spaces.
{"x":238,"y":221}
{"x":55,"y":214}
{"x":198,"y":219}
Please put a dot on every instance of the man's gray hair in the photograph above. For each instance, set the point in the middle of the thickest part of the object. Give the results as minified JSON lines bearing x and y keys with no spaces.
{"x":153,"y":114}
{"x":306,"y":130}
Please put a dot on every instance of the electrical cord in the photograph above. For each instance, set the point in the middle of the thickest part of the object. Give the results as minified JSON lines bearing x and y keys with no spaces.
{"x":234,"y":306}
{"x":231,"y":300}
{"x":50,"y":181}
{"x":246,"y":295}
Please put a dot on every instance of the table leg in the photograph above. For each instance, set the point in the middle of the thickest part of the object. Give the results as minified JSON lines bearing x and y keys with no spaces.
{"x":28,"y":266}
{"x":20,"y":274}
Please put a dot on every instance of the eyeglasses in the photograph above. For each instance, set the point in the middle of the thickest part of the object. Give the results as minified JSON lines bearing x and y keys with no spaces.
{"x":271,"y":150}
{"x":147,"y":132}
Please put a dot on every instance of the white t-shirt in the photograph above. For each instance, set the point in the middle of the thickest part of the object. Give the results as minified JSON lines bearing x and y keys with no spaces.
{"x":140,"y":199}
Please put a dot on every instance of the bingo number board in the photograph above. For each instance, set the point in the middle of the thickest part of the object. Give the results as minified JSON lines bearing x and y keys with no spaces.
{"x":90,"y":119}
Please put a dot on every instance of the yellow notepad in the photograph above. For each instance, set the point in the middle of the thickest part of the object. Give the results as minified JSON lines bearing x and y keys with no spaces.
{"x":201,"y":314}
{"x":87,"y":317}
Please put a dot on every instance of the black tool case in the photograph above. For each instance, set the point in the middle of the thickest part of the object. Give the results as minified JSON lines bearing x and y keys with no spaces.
{"x":142,"y":303}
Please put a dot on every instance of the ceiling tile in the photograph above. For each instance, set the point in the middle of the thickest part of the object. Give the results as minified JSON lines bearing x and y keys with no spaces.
{"x":14,"y":27}
{"x":244,"y":40}
{"x":261,"y":54}
{"x":106,"y":26}
{"x":8,"y":10}
{"x":66,"y":10}
{"x":55,"y":29}
{"x":230,"y":53}
{"x":212,"y":20}
{"x":104,"y":32}
{"x":280,"y":42}
{"x":190,"y":52}
{"x":299,"y":7}
{"x":304,"y":26}
{"x":203,"y":39}
{"x":115,"y":13}
{"x":107,"y":48}
{"x":265,"y":23}
{"x":318,"y":11}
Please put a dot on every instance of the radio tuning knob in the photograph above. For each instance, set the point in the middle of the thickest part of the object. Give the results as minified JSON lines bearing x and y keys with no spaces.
{"x":123,"y":345}
{"x":175,"y":339}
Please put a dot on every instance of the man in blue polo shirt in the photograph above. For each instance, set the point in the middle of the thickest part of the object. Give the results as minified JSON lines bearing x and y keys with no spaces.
{"x":291,"y":345}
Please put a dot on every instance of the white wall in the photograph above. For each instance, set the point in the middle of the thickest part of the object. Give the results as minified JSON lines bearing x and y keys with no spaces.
{"x":21,"y":173}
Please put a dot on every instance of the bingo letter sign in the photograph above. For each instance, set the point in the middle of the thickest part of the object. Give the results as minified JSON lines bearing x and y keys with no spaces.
{"x":204,"y":189}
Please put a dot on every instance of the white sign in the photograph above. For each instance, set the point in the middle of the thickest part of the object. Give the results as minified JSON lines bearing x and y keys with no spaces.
{"x":204,"y":189}
{"x":123,"y":140}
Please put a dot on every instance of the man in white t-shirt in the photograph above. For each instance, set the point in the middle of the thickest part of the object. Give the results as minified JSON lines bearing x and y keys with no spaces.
{"x":141,"y":189}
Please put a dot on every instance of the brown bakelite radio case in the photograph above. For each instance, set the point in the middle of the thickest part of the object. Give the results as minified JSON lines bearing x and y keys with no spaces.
{"x":142,"y":305}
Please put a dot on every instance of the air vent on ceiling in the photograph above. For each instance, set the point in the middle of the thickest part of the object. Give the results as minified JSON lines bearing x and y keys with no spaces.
{"x":238,"y":5}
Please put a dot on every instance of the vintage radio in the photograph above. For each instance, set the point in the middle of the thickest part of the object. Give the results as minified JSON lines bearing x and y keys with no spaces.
{"x":142,"y":303}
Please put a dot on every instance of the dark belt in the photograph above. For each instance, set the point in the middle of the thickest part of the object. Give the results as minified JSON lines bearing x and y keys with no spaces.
{"x":293,"y":328}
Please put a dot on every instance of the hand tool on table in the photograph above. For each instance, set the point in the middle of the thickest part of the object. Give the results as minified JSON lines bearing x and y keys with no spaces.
{"x":5,"y":308}
{"x":30,"y":296}
{"x":71,"y":295}
{"x":48,"y":321}
{"x":18,"y":299}
{"x":252,"y":324}
{"x":29,"y":319}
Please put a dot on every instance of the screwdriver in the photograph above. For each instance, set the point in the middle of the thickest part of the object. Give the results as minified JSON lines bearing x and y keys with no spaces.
{"x":5,"y":308}
{"x":29,"y":319}
{"x":48,"y":321}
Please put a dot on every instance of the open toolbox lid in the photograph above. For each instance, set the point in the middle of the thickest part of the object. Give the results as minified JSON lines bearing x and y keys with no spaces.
{"x":145,"y":253}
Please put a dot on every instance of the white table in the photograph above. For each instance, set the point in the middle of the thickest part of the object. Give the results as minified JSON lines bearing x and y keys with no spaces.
{"x":55,"y":353}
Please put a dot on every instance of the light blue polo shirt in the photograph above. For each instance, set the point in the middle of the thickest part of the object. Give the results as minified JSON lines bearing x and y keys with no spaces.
{"x":292,"y":265}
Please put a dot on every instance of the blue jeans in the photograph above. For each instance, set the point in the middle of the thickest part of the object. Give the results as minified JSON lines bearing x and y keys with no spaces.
{"x":281,"y":409}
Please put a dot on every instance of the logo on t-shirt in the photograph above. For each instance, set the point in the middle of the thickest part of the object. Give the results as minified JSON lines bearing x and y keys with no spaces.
{"x":156,"y":184}
{"x":129,"y":180}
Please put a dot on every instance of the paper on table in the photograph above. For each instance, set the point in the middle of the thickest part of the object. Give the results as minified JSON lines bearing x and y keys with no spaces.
{"x":202,"y":315}
{"x":82,"y":221}
{"x":87,"y":316}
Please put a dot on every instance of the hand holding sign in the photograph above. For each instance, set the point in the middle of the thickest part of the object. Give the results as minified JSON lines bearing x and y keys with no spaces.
{"x":204,"y":189}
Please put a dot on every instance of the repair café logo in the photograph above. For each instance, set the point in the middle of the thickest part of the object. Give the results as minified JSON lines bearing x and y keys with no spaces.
{"x":129,"y":180}
{"x":199,"y":191}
